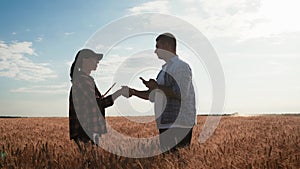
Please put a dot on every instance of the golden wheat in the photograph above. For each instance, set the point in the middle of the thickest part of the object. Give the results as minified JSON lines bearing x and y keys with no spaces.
{"x":238,"y":142}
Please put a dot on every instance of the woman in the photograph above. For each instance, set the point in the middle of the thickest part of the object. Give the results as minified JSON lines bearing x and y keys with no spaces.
{"x":86,"y":104}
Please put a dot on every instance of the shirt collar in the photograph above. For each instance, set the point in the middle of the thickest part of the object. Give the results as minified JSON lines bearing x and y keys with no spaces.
{"x":173,"y":59}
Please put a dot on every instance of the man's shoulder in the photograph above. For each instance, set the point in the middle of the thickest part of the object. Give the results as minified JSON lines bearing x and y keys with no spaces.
{"x":179,"y":63}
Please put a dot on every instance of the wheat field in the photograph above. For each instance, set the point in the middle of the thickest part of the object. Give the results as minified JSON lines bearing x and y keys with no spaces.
{"x":238,"y":142}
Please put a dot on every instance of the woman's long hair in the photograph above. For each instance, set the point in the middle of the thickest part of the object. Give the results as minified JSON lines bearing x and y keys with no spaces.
{"x":75,"y":66}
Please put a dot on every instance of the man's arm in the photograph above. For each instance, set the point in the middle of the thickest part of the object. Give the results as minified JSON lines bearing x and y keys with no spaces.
{"x":152,"y":85}
{"x":141,"y":94}
{"x":128,"y":92}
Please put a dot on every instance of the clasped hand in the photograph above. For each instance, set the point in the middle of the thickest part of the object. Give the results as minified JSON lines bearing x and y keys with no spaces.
{"x":127,"y":92}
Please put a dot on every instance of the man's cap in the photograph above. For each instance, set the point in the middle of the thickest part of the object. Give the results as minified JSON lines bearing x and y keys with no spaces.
{"x":90,"y":53}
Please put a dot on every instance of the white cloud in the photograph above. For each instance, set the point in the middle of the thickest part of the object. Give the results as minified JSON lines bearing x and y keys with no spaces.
{"x":119,"y":47}
{"x":69,"y":33}
{"x":214,"y":18}
{"x":14,"y":63}
{"x":100,"y":47}
{"x":21,"y":47}
{"x":13,"y":33}
{"x":243,"y":19}
{"x":280,"y":17}
{"x":47,"y":89}
{"x":39,"y":39}
{"x":160,"y":6}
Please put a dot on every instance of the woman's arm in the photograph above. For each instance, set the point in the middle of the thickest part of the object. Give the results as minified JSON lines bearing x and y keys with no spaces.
{"x":116,"y":94}
{"x":109,"y":100}
{"x":105,"y":102}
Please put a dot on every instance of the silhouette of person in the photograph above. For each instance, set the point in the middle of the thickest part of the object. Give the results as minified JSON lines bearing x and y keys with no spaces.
{"x":86,"y":104}
{"x":173,"y":95}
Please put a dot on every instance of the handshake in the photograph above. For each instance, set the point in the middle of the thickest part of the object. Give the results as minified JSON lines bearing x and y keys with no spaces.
{"x":128,"y":92}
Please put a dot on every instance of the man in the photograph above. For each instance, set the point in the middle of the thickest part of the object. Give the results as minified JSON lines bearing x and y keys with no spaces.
{"x":173,"y":95}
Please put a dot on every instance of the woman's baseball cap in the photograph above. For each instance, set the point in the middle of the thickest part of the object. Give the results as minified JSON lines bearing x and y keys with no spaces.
{"x":90,"y":53}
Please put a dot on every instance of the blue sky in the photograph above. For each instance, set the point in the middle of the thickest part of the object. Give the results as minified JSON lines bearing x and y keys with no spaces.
{"x":256,"y":42}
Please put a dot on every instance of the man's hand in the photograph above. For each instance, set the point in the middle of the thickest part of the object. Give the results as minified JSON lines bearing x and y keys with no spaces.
{"x":151,"y":84}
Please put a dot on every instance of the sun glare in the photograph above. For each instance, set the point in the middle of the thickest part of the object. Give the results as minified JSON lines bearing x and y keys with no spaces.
{"x":282,"y":15}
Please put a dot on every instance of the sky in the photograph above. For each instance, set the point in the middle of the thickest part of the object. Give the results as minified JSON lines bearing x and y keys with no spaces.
{"x":256,"y":42}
